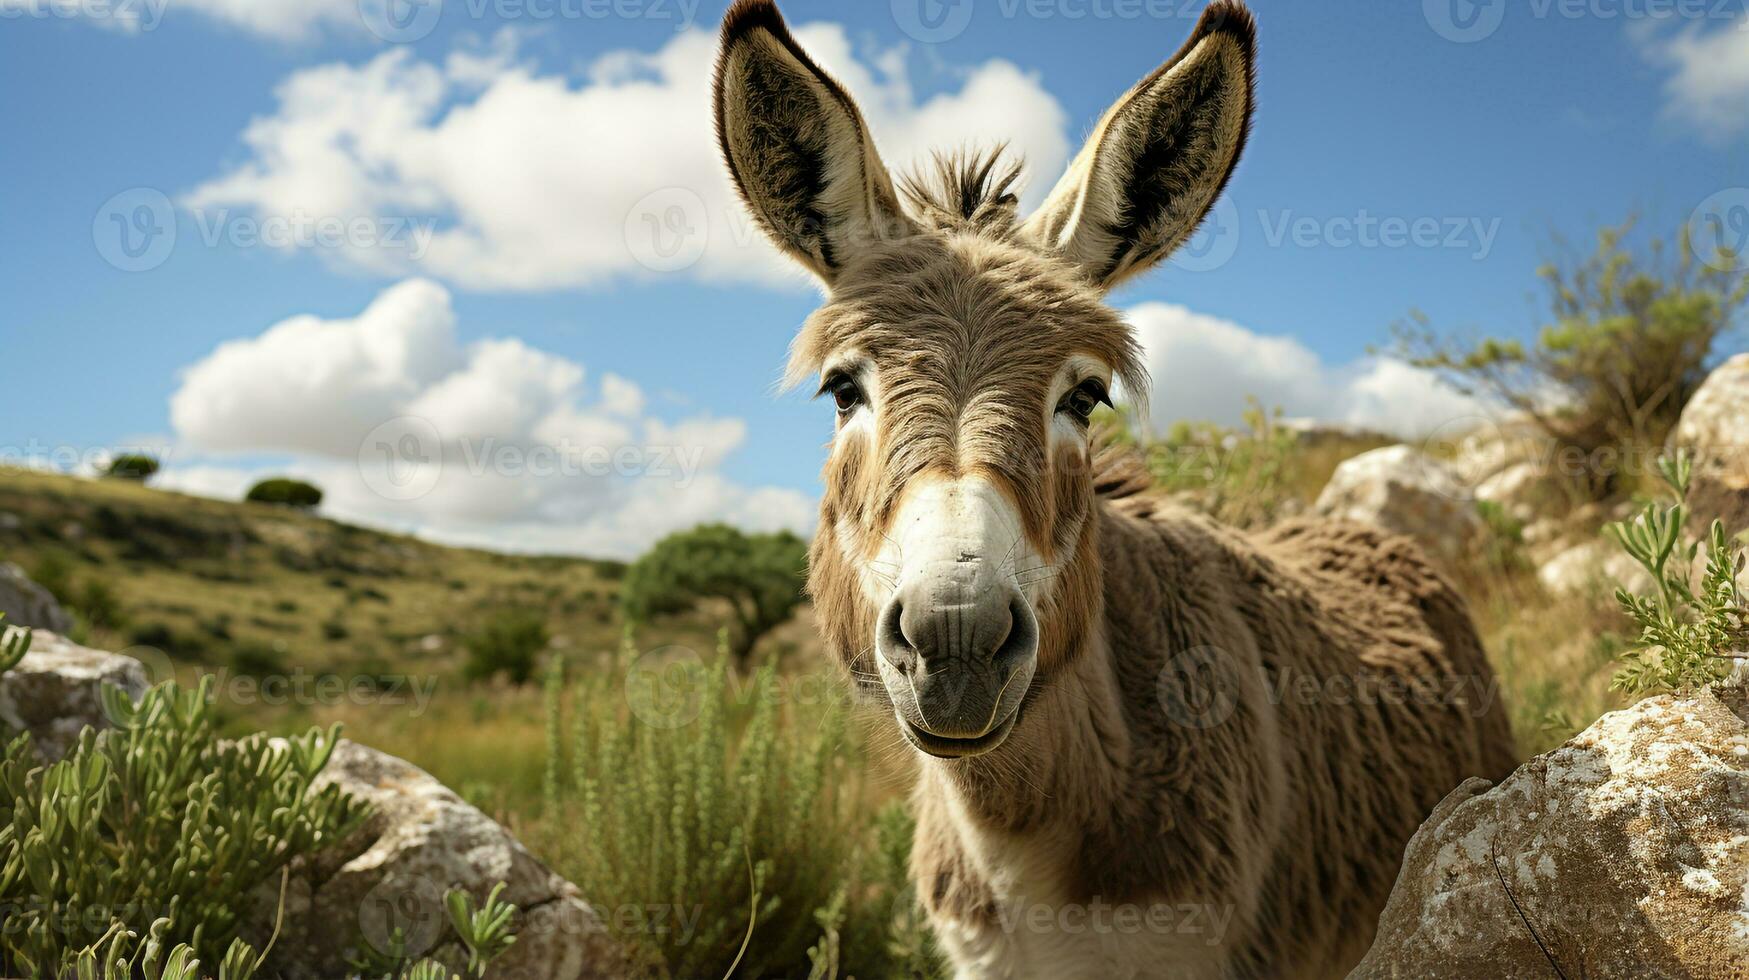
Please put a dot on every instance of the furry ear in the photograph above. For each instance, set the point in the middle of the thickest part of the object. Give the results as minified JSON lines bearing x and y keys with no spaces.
{"x":797,"y":146}
{"x":1152,"y":169}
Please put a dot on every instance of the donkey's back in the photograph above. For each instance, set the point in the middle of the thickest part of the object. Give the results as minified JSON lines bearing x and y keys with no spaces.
{"x":1301,"y":700}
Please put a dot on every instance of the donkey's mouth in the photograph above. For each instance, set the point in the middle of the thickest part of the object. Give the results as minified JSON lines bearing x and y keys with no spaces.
{"x":943,"y":747}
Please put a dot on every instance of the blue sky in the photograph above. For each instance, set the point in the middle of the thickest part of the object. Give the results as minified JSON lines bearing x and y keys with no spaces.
{"x":527,"y":136}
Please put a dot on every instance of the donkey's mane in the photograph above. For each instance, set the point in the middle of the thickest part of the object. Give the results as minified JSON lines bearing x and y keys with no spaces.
{"x":965,"y":190}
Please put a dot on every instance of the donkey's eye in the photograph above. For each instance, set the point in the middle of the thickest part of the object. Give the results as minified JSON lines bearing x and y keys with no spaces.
{"x":1083,"y":399}
{"x":844,"y":392}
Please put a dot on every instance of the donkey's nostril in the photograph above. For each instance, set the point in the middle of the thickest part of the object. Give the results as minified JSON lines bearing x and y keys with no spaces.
{"x":891,"y":642}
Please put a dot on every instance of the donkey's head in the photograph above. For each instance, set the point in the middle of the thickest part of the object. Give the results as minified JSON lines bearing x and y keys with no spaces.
{"x":955,"y":565}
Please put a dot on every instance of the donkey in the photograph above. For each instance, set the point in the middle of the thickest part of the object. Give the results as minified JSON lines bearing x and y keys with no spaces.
{"x":1147,"y":745}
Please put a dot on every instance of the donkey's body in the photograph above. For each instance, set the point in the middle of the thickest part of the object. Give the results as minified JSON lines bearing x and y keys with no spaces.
{"x":1322,"y":687}
{"x":1147,"y":745}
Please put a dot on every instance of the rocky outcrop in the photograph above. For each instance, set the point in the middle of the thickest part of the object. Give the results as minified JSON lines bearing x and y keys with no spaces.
{"x":1715,"y":427}
{"x":388,"y":877}
{"x":1598,"y":566}
{"x":421,"y":841}
{"x":53,"y":692}
{"x":1404,"y":490}
{"x":1624,"y":853}
{"x":26,"y":603}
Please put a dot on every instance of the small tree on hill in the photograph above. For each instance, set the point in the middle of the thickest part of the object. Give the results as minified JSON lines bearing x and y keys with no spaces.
{"x":1628,"y":341}
{"x":508,"y":643}
{"x":286,"y":493}
{"x":133,"y":466}
{"x":760,"y":575}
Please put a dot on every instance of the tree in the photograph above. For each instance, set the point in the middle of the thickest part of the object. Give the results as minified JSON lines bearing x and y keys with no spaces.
{"x":759,"y":575}
{"x":133,"y":466}
{"x":1629,"y":340}
{"x":286,"y":493}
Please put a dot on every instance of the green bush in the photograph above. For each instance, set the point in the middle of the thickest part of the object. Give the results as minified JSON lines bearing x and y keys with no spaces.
{"x":285,"y":493}
{"x":133,"y":466}
{"x":1689,"y":635}
{"x":507,"y":644}
{"x":685,"y":797}
{"x":1628,"y":340}
{"x":156,"y":818}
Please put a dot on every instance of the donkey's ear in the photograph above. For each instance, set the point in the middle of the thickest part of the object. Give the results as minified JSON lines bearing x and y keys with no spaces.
{"x":796,"y":145}
{"x":1152,"y":169}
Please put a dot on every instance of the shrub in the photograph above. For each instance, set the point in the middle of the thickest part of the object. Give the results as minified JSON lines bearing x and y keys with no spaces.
{"x":258,"y":660}
{"x":680,"y":792}
{"x":283,"y":492}
{"x":156,"y":818}
{"x":133,"y":466}
{"x":506,"y":644}
{"x":100,"y":606}
{"x":1689,"y":636}
{"x":1628,"y":341}
{"x":760,"y":575}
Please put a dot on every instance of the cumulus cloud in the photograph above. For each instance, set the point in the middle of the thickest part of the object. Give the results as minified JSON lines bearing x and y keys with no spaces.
{"x":1709,"y":83}
{"x":1204,"y":368}
{"x":492,"y":443}
{"x":288,"y":20}
{"x":538,"y":182}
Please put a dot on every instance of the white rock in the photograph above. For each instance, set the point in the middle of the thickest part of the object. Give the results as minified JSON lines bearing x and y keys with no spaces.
{"x":1636,"y":862}
{"x":1715,"y":427}
{"x":1404,"y":490}
{"x":53,"y":692}
{"x":26,"y":603}
{"x":422,"y":841}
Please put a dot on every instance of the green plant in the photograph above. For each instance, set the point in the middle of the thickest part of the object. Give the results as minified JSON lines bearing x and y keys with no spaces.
{"x":133,"y":466}
{"x":1688,"y":636}
{"x":1502,"y":544}
{"x":286,"y":493}
{"x":507,"y":644}
{"x":759,"y":575}
{"x":1238,"y":477}
{"x":156,"y":818}
{"x":1628,"y":341}
{"x":724,"y":825}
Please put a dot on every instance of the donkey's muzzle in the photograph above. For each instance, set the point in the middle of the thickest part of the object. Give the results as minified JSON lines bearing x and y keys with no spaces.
{"x":956,"y":649}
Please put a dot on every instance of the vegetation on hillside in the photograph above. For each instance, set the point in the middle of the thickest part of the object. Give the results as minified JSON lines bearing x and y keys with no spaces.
{"x":1629,"y":338}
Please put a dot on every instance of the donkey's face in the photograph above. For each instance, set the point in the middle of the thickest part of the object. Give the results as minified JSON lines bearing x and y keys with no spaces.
{"x":955,"y":565}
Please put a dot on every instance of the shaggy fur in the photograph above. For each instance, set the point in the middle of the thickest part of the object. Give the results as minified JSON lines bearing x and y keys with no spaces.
{"x":1249,"y":726}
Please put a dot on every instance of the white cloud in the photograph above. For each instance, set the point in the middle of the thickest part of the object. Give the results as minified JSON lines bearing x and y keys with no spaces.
{"x":1204,"y":368}
{"x":288,"y":20}
{"x":1709,"y":84}
{"x":493,"y":444}
{"x":541,"y":183}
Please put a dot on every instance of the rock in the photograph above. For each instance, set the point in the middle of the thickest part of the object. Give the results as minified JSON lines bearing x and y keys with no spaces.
{"x":52,"y":693}
{"x":1624,"y":853}
{"x":421,"y":841}
{"x":1313,"y":432}
{"x":1404,"y":490}
{"x":1715,"y":427}
{"x":1597,"y":566}
{"x":26,"y":603}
